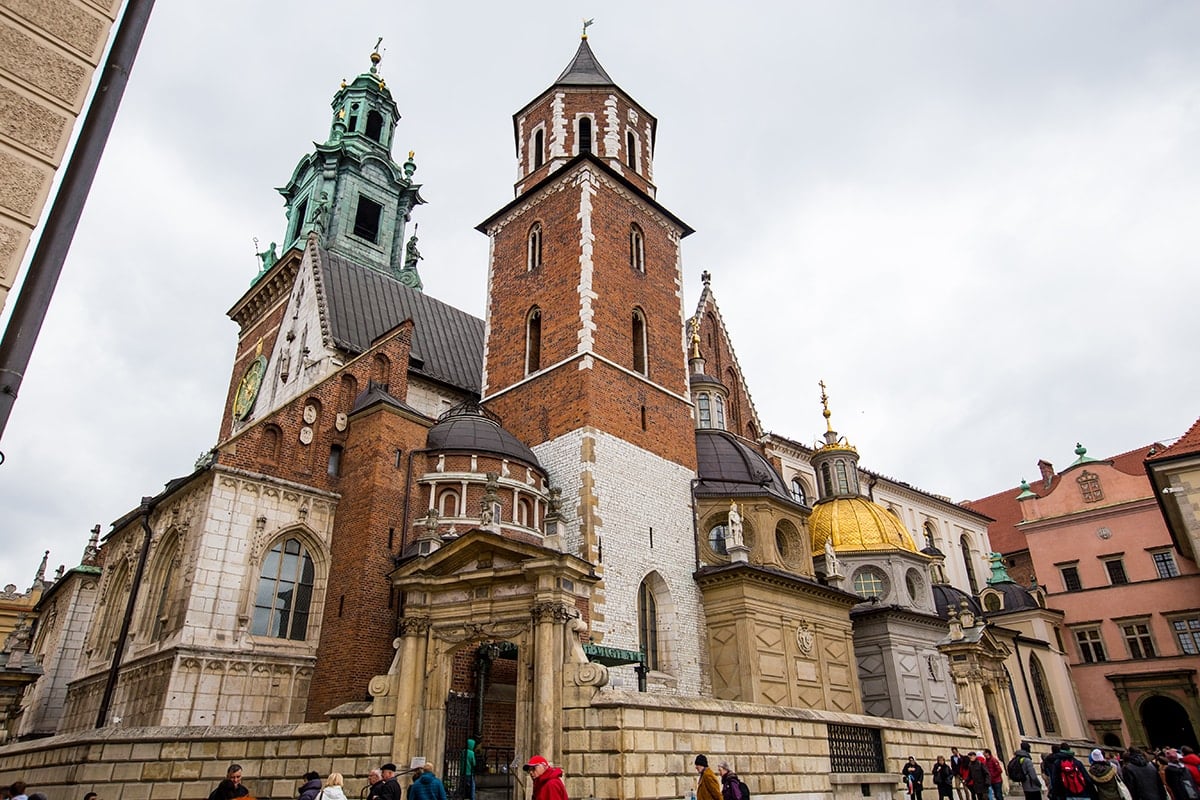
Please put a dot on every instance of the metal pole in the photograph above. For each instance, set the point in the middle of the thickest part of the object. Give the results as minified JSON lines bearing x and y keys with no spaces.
{"x":29,"y":309}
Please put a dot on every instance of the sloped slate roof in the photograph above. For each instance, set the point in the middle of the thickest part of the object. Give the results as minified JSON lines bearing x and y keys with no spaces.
{"x":477,"y":433}
{"x":584,"y":70}
{"x":363,"y":304}
{"x":729,"y":468}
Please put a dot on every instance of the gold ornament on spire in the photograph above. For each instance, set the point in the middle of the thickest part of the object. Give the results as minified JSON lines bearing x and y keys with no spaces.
{"x":825,"y":406}
{"x":695,"y":336}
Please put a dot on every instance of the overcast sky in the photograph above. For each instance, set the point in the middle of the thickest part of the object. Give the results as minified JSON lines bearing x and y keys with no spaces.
{"x":977,"y":222}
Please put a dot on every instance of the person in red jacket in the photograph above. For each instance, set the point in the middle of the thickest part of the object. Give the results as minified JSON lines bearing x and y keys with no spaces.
{"x":995,"y":772}
{"x":1191,"y":761}
{"x":547,"y":780}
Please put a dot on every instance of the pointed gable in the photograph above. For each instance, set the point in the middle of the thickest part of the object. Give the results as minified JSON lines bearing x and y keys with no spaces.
{"x":721,"y":363}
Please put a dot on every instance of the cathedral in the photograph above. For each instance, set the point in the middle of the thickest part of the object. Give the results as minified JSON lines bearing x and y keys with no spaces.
{"x":559,"y":529}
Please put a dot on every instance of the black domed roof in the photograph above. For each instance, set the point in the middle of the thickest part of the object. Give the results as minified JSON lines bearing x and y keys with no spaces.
{"x":471,"y":431}
{"x":945,"y":596}
{"x":1016,"y":597}
{"x":729,"y":467}
{"x":933,"y":551}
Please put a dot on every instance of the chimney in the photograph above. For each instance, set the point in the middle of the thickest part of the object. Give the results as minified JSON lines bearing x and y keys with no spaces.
{"x":1047,"y":470}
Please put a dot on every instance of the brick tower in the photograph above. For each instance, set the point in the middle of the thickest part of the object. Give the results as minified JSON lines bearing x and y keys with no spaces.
{"x":585,"y":355}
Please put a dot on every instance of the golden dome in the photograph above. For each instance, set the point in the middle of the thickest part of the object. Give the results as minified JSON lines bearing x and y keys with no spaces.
{"x":857,"y":524}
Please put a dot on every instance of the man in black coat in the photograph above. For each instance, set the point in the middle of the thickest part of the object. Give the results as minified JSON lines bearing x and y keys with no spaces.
{"x":389,"y":787}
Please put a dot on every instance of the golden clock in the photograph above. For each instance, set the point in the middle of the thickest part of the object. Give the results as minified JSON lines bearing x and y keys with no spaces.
{"x":247,"y":390}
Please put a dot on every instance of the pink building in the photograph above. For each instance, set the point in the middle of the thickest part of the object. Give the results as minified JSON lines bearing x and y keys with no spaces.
{"x":1094,"y":537}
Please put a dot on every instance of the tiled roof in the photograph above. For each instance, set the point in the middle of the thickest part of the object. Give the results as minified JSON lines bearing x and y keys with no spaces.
{"x":363,"y":304}
{"x":1004,"y":508}
{"x":1187,"y":445}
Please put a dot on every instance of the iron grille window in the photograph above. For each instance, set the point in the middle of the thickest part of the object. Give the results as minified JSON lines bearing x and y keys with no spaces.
{"x":1070,"y":576}
{"x":855,"y":749}
{"x":1187,"y":631}
{"x":1116,"y":572}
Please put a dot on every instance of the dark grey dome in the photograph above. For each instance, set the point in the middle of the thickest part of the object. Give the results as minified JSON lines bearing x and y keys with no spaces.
{"x":945,"y":596}
{"x":933,"y":551}
{"x":1016,"y":597}
{"x":475,"y":433}
{"x":729,"y":467}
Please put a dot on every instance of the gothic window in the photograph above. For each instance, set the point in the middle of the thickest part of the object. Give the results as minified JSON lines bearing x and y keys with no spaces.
{"x":648,"y":624}
{"x":533,"y":341}
{"x":374,"y":129}
{"x":1042,"y":694}
{"x":115,"y":596}
{"x":637,"y":248}
{"x":703,"y":407}
{"x":1089,"y":487}
{"x":448,"y":503}
{"x":533,"y":258}
{"x":719,"y":404}
{"x":538,"y":147}
{"x":930,"y":539}
{"x":965,"y":545}
{"x":585,"y":134}
{"x":366,"y":219}
{"x":638,"y":337}
{"x":631,"y":150}
{"x":285,"y":586}
{"x":798,"y":493}
{"x":164,"y":601}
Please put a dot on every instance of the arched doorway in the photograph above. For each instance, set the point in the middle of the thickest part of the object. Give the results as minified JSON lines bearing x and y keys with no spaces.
{"x":481,"y":708}
{"x":1166,"y":723}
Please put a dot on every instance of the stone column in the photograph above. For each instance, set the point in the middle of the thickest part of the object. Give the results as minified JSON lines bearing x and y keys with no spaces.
{"x":414,"y":633}
{"x":549,"y":617}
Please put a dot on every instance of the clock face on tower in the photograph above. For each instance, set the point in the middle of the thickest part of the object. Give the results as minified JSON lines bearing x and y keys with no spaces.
{"x":247,"y":390}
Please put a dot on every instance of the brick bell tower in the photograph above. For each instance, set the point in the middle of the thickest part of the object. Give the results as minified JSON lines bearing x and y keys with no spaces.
{"x":585,"y":354}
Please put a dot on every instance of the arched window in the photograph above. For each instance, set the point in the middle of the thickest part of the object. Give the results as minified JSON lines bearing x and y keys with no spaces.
{"x":930,"y":540}
{"x":637,"y":248}
{"x":704,"y":409}
{"x":1041,"y":693}
{"x":631,"y":150}
{"x":374,"y":129}
{"x":716,"y":539}
{"x":720,"y":407}
{"x":270,"y":444}
{"x":638,"y":336}
{"x":285,"y":586}
{"x":827,"y":479}
{"x":164,"y":597}
{"x":299,"y":217}
{"x":448,"y":503}
{"x":381,"y":370}
{"x":114,"y":598}
{"x":965,"y":545}
{"x":352,"y":123}
{"x":798,"y":493}
{"x":533,"y":341}
{"x":539,"y":147}
{"x":524,"y":513}
{"x":534,"y":256}
{"x":648,"y":624}
{"x":335,"y":460}
{"x":585,"y":134}
{"x":843,"y":482}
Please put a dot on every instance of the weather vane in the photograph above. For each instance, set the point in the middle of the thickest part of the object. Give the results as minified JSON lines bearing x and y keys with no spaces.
{"x":586,"y":23}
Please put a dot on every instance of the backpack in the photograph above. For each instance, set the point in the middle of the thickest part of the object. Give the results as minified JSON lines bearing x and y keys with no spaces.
{"x":1071,"y":777}
{"x":745,"y":790}
{"x":1016,"y":773}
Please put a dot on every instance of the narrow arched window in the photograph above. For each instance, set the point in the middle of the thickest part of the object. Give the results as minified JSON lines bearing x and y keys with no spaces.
{"x":1041,"y":693}
{"x":843,"y":482}
{"x":164,"y":596}
{"x":639,"y":341}
{"x":374,"y":129}
{"x":534,"y":255}
{"x":335,"y":460}
{"x":720,"y":406}
{"x":448,"y":503}
{"x":585,"y":135}
{"x":648,"y":625}
{"x":827,"y":479}
{"x":930,"y":541}
{"x":282,"y":602}
{"x":524,"y":513}
{"x":704,"y":408}
{"x":631,"y":150}
{"x":539,"y":146}
{"x":798,"y":493}
{"x":533,"y":341}
{"x":637,"y":248}
{"x":965,"y":545}
{"x":299,"y":217}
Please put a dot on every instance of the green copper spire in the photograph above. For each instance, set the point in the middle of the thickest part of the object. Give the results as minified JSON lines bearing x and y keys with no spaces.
{"x":999,"y":572}
{"x":1082,"y":456}
{"x":349,"y":192}
{"x":1026,"y":492}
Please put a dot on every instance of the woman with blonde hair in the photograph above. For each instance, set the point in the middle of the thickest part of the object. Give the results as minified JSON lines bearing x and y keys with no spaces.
{"x":334,"y":788}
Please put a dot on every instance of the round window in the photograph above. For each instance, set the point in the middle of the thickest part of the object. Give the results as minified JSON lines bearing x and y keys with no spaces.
{"x":916,"y":587}
{"x":992,"y":602}
{"x":716,"y":539}
{"x":781,"y":544}
{"x":870,"y":582}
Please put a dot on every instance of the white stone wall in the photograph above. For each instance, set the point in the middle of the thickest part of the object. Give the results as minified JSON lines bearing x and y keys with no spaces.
{"x":636,"y":491}
{"x":429,"y":398}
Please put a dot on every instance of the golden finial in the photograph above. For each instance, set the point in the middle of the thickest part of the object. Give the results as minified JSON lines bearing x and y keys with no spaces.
{"x":411,"y":153}
{"x":343,"y":83}
{"x":825,"y":406}
{"x":695,"y":336}
{"x":586,"y":23}
{"x":375,"y":55}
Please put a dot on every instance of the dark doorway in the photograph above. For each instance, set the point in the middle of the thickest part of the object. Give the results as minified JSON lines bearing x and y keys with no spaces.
{"x":1166,"y":723}
{"x":481,"y":708}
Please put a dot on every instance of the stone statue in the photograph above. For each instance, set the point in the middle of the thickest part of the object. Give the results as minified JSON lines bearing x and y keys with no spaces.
{"x":735,"y":527}
{"x":411,"y":254}
{"x":268,"y":258}
{"x":832,"y":567}
{"x":321,"y":213}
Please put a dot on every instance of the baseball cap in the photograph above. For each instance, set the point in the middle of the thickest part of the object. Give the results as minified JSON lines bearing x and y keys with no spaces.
{"x":533,"y":762}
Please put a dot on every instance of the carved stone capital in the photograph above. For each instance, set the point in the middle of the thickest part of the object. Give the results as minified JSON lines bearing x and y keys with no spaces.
{"x":414,"y":626}
{"x":552,"y":611}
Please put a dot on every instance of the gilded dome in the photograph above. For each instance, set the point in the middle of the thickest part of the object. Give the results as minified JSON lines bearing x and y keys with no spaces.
{"x":856,"y":524}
